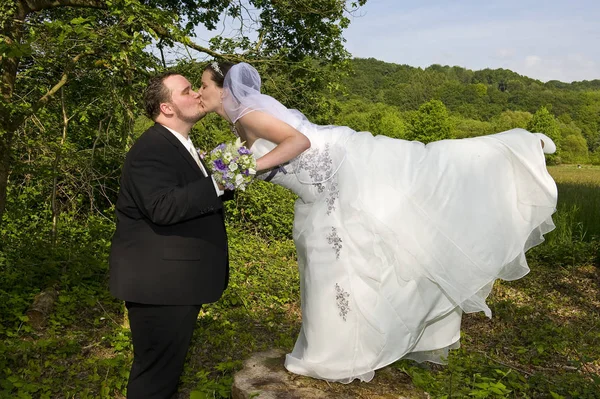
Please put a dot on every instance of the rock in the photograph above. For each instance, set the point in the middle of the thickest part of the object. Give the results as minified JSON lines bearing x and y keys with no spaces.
{"x":264,"y":377}
{"x":42,"y":306}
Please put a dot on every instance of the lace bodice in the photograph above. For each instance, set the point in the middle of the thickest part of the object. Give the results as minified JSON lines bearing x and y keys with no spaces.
{"x":310,"y":175}
{"x":284,"y":175}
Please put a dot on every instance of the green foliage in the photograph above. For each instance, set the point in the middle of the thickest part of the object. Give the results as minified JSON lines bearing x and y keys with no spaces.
{"x":467,"y":375}
{"x":501,"y":97}
{"x":209,"y":389}
{"x":263,"y":209}
{"x":430,"y":123}
{"x":471,"y":128}
{"x":310,"y":28}
{"x":57,"y":360}
{"x":574,"y":149}
{"x":72,"y":77}
{"x":510,"y":120}
{"x":595,"y":158}
{"x":375,"y":118}
{"x":579,"y":201}
{"x":388,"y":123}
{"x":544,"y":122}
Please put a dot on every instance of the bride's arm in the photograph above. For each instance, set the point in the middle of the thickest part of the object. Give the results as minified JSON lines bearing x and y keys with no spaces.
{"x":290,"y":142}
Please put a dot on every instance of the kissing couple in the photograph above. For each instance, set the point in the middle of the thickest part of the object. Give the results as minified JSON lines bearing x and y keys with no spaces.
{"x":395,"y":239}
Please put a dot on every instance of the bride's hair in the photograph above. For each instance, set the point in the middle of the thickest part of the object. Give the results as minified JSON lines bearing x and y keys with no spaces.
{"x":218,"y":71}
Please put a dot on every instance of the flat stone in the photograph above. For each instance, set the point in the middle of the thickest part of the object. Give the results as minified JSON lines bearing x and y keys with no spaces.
{"x":264,"y":377}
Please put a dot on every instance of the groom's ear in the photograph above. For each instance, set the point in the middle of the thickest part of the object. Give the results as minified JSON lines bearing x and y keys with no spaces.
{"x":166,"y":109}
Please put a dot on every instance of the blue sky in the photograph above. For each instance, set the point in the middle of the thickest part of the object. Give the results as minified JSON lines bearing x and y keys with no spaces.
{"x":545,"y":40}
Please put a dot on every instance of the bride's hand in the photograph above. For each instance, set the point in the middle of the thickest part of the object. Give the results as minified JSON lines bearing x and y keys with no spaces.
{"x":290,"y":142}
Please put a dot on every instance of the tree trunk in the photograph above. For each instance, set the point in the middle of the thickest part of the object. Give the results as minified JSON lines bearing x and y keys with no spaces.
{"x":11,"y":30}
{"x":9,"y":73}
{"x":56,"y":168}
{"x":5,"y":144}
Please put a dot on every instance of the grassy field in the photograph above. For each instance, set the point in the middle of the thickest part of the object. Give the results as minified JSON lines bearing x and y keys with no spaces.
{"x":584,"y":175}
{"x":578,"y":198}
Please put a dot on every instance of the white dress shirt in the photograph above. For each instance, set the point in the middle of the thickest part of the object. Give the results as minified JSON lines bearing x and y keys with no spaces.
{"x":187,"y":143}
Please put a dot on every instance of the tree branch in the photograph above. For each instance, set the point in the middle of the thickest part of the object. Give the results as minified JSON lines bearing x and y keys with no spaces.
{"x":63,"y":80}
{"x":38,"y":5}
{"x":162,"y":32}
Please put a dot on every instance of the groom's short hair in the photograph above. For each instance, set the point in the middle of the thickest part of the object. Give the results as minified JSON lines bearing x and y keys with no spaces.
{"x":156,"y":93}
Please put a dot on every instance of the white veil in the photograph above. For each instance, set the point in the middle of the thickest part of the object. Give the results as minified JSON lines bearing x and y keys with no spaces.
{"x":241,"y":95}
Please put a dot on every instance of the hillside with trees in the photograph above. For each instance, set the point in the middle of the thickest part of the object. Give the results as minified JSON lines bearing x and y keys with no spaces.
{"x":453,"y":102}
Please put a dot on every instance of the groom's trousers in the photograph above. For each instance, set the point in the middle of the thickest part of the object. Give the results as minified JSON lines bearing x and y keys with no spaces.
{"x":161,"y":337}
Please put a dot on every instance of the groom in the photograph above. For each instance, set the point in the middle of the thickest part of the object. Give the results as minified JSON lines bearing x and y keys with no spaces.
{"x":169,"y":251}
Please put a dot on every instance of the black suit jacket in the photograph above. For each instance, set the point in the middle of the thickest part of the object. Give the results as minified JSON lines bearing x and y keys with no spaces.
{"x":170,"y":244}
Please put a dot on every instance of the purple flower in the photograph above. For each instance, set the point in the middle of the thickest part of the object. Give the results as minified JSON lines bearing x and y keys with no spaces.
{"x":245,"y":172}
{"x":220,"y":165}
{"x":244,"y":151}
{"x":229,"y":186}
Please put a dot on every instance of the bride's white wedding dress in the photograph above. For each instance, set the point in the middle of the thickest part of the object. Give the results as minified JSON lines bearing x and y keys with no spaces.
{"x":395,"y":239}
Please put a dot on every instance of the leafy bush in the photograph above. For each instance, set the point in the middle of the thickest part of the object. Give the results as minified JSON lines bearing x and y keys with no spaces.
{"x":263,"y":209}
{"x":430,"y":123}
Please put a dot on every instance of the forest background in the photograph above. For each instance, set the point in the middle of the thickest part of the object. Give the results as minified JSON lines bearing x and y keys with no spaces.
{"x":73,"y":72}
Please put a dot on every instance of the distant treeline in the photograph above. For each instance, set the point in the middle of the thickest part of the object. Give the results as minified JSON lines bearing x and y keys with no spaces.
{"x":400,"y":101}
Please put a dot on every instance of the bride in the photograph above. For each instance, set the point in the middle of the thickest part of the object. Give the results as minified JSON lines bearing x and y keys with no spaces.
{"x":395,"y":239}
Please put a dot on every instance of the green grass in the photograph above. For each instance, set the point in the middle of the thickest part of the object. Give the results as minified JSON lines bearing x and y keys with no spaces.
{"x":578,"y":193}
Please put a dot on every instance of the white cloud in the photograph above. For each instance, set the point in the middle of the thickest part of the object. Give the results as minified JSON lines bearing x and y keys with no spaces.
{"x":532,"y":61}
{"x":505,"y":53}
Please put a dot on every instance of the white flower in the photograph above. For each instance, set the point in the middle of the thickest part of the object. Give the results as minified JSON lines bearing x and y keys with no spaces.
{"x":241,"y":168}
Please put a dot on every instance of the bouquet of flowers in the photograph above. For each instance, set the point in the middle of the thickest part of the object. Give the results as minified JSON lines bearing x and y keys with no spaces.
{"x":232,"y":165}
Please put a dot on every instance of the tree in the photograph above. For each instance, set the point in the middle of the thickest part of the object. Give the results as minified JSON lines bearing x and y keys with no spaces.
{"x":471,"y":128}
{"x":574,"y":149}
{"x":511,"y":119}
{"x":430,"y":123}
{"x":544,"y":122}
{"x":387,"y":121}
{"x":47,"y":45}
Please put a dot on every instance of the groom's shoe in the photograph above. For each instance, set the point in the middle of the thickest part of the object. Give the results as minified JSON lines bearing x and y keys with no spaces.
{"x":549,"y":146}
